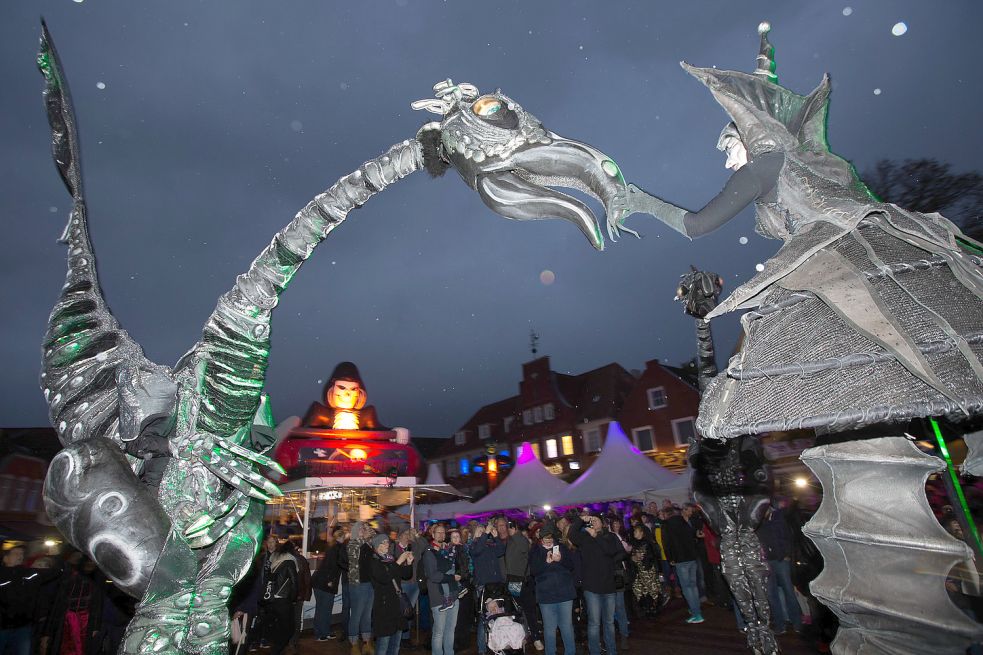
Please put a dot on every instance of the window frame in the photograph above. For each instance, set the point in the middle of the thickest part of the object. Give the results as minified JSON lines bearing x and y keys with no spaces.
{"x":587,"y":444}
{"x":634,"y":437}
{"x":460,"y":437}
{"x":665,"y":398}
{"x":552,"y":452}
{"x":675,"y":429}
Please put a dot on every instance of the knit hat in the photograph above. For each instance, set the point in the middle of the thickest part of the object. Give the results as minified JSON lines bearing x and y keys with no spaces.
{"x":378,"y":539}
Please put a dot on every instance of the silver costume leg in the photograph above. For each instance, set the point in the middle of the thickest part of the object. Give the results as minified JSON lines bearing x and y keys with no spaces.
{"x":886,"y":556}
{"x":93,"y":498}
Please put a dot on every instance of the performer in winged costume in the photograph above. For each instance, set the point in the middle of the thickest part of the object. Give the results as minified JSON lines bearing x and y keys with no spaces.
{"x":868,"y":315}
{"x":157,"y":481}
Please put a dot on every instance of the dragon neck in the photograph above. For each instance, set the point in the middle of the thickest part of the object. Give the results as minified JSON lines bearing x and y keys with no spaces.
{"x":234,"y":350}
{"x":706,"y":355}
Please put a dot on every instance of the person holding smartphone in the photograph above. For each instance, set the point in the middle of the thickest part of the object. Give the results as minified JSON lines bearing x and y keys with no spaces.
{"x":552,"y":566}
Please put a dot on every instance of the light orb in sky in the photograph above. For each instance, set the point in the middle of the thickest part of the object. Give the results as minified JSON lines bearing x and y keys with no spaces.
{"x":547,"y":277}
{"x":877,"y":92}
{"x":759,"y":267}
{"x":899,"y":28}
{"x":847,"y":11}
{"x":100,"y":85}
{"x":742,"y":241}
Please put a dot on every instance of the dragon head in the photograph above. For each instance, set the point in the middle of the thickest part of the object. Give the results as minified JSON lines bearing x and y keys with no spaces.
{"x":699,"y":291}
{"x":505,"y":154}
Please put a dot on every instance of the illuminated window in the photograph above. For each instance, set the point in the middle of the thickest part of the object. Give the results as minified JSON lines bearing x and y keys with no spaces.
{"x":592,"y":440}
{"x":574,"y":466}
{"x":527,"y":417}
{"x":549,"y":412}
{"x":535,"y":450}
{"x":551,"y":449}
{"x":683,"y":429}
{"x":537,"y":414}
{"x":460,"y":437}
{"x":465,"y":466}
{"x":643,"y":438}
{"x":507,"y":423}
{"x":657,"y":398}
{"x":567,"y":441}
{"x":484,"y":430}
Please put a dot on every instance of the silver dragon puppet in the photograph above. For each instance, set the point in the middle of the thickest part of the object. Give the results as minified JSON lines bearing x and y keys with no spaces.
{"x":158,"y":480}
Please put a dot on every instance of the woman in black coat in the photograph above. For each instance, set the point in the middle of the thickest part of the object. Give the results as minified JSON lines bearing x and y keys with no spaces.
{"x":280,"y":594}
{"x":385,"y":573}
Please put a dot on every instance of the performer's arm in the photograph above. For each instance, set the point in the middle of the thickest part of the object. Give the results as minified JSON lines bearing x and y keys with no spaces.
{"x":750,"y":182}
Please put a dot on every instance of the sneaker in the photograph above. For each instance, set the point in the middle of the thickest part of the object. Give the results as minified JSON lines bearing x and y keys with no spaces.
{"x":695,"y":619}
{"x":538,"y":645}
{"x":446,"y":606}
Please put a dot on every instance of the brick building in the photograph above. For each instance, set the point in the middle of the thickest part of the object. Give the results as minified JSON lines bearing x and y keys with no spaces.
{"x":565,"y":419}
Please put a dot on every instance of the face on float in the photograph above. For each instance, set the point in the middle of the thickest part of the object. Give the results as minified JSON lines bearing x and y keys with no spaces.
{"x":344,"y":394}
{"x":736,"y":154}
{"x":515,"y":164}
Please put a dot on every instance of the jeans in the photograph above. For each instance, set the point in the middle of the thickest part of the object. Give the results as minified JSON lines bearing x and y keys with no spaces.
{"x":558,"y":615}
{"x":686,"y":572}
{"x":388,"y":645}
{"x":346,"y":603}
{"x":412,"y":591}
{"x":442,"y":633}
{"x":16,"y":641}
{"x":780,"y":583}
{"x":482,"y":635}
{"x":323,"y":606}
{"x":600,"y":609}
{"x":620,"y":614}
{"x":361,"y":618}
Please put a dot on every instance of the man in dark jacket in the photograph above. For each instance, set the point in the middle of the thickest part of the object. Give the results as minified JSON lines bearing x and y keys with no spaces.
{"x":679,"y":540}
{"x":20,"y":589}
{"x":776,"y":538}
{"x":600,"y":553}
{"x":325,"y":584}
{"x":488,"y":554}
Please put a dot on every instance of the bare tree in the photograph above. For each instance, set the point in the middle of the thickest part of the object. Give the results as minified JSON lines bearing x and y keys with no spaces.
{"x":926,"y":185}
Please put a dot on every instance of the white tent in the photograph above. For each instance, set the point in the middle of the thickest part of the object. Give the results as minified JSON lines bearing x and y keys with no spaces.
{"x":620,"y":471}
{"x":528,"y":485}
{"x":678,"y":491}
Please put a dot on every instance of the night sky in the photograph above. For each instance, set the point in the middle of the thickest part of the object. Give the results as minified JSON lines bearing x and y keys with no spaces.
{"x":206,"y":125}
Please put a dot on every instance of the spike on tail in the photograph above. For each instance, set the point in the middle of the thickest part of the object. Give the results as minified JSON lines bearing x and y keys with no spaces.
{"x":61,"y":115}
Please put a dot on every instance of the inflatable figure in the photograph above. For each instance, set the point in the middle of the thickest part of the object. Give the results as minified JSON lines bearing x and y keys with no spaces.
{"x":868,"y":315}
{"x":345,"y":395}
{"x":157,"y":479}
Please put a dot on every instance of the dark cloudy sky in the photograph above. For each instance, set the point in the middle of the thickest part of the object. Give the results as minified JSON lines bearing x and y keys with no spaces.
{"x":206,"y":125}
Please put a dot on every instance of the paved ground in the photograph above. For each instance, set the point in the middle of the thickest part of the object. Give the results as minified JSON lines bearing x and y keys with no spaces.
{"x":667,"y":634}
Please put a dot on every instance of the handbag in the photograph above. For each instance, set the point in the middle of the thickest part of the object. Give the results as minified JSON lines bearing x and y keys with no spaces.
{"x":406,"y":609}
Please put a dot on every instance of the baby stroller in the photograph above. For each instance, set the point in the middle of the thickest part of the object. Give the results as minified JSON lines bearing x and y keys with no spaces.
{"x":503,"y":620}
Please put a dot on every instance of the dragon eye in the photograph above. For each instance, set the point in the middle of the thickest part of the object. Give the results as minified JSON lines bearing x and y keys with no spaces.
{"x":486,"y":106}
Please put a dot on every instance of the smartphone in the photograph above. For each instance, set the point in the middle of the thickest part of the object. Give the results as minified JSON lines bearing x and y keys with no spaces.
{"x":556,"y":550}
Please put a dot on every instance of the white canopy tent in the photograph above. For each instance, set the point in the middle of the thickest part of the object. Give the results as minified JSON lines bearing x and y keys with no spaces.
{"x":528,"y":485}
{"x":678,"y":491}
{"x":620,"y":471}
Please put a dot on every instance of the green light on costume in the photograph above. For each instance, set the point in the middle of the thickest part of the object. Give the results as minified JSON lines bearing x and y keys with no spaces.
{"x":955,"y":483}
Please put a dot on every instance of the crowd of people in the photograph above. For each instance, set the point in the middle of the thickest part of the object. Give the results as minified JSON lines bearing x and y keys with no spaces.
{"x":58,"y":605}
{"x":578,"y":577}
{"x":582,"y":576}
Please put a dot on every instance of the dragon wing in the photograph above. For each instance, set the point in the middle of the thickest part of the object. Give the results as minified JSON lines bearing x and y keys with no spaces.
{"x":90,"y":366}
